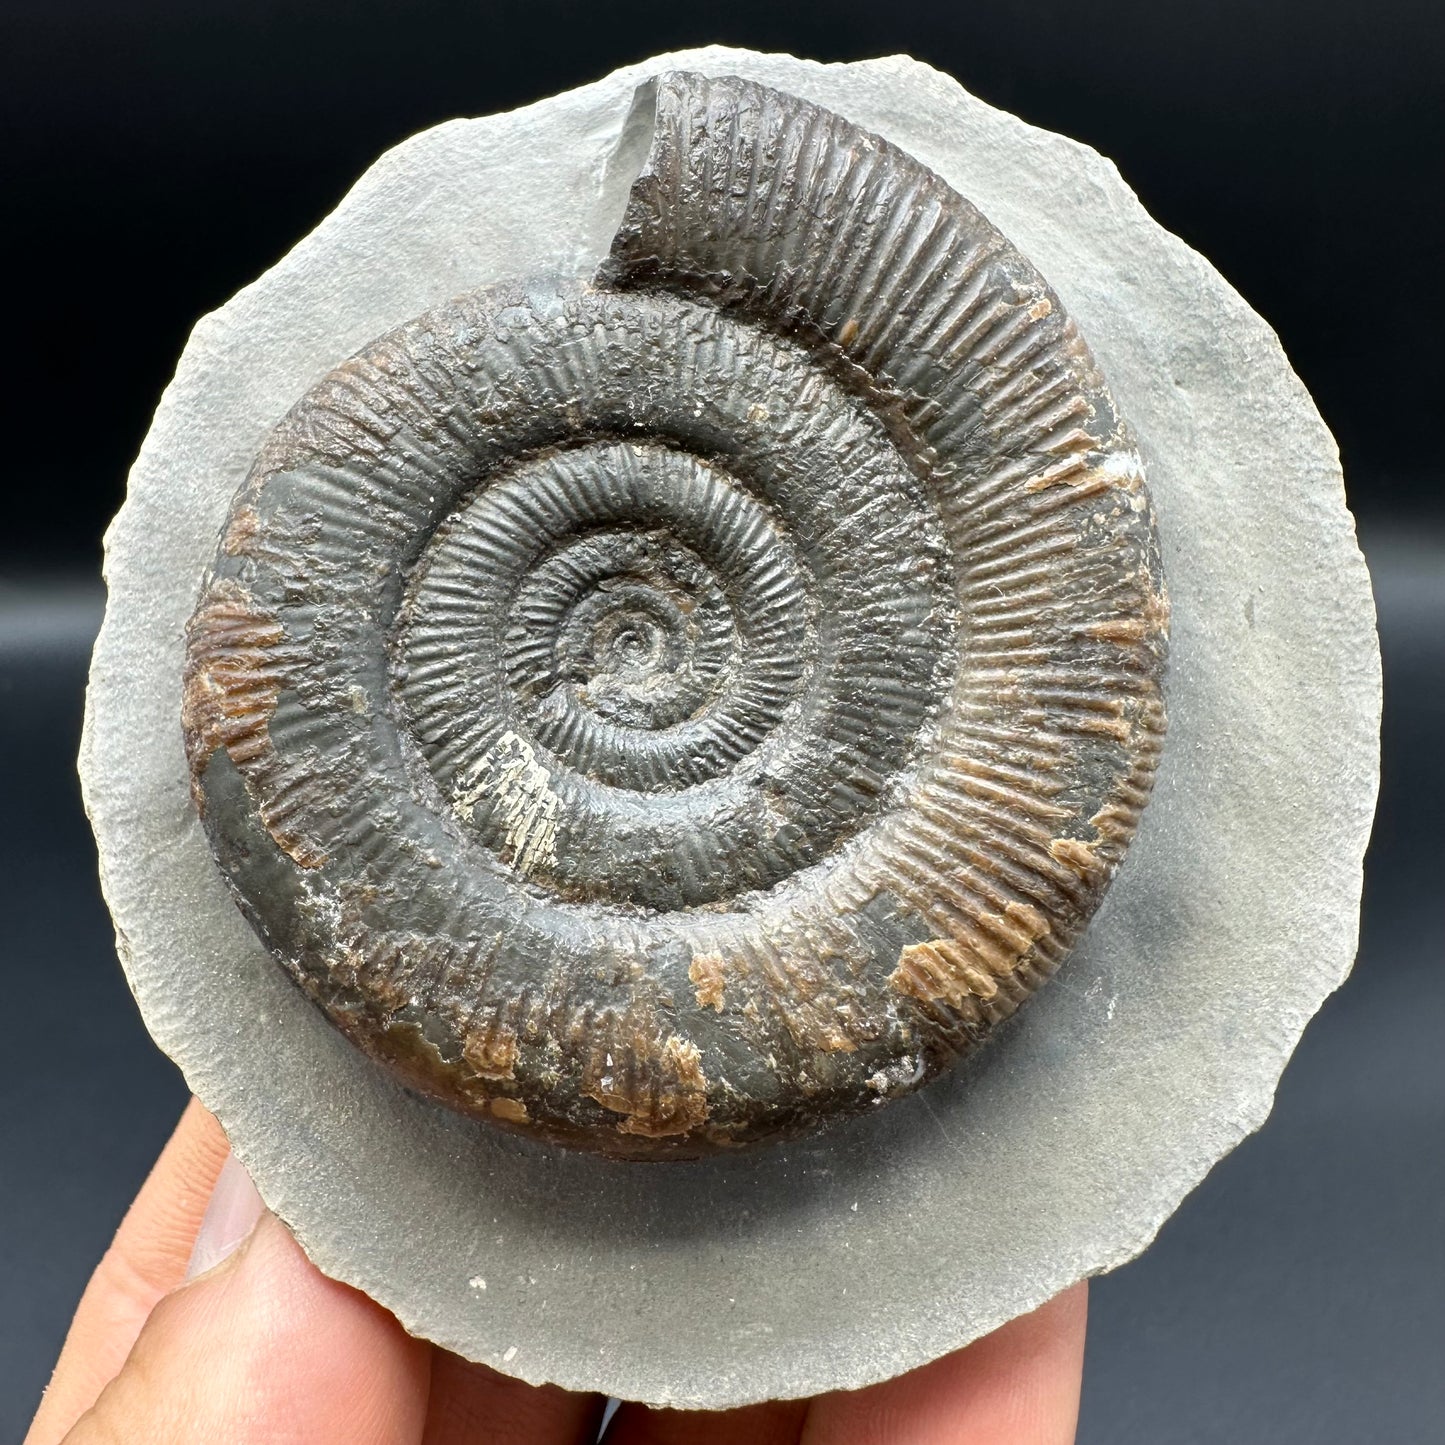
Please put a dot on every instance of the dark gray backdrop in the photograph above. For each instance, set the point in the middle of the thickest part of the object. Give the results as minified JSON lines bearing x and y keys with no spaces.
{"x":159,"y":154}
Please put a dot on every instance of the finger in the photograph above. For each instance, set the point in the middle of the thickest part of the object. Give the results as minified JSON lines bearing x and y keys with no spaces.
{"x":776,"y":1423}
{"x":470,"y":1403}
{"x":1017,"y":1386}
{"x":144,"y":1262}
{"x":261,"y":1350}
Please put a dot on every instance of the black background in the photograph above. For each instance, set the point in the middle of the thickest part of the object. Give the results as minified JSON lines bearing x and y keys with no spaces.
{"x":158,"y":154}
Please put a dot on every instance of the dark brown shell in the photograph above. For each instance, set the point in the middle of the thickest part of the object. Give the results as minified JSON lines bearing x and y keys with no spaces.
{"x":675,"y":712}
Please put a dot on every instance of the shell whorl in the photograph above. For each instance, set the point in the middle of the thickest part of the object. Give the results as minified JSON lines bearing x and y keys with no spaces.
{"x":671,"y":712}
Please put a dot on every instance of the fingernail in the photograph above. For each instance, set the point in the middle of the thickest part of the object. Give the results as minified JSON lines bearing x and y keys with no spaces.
{"x":230,"y":1217}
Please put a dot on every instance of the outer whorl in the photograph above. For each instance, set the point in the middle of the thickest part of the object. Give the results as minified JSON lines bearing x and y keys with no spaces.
{"x":675,"y":712}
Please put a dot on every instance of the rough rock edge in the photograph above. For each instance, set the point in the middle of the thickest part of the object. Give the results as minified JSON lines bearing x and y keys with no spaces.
{"x":724,"y":1388}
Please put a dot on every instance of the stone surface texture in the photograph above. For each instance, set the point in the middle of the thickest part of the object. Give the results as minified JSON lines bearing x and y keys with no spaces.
{"x":1055,"y":1153}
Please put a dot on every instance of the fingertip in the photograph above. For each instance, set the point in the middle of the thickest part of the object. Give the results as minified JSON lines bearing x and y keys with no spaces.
{"x":471,"y":1402}
{"x":264,"y":1347}
{"x":146,"y":1259}
{"x":1016,"y":1386}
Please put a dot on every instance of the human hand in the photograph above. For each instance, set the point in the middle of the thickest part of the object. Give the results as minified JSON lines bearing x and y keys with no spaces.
{"x":205,"y":1323}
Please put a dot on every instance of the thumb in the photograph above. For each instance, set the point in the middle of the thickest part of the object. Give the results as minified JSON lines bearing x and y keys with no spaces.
{"x":259,"y":1346}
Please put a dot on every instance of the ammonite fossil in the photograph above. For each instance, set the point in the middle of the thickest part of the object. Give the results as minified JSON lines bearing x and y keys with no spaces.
{"x":675,"y":711}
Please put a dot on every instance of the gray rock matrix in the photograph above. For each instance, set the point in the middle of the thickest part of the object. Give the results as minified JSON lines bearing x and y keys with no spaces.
{"x":1055,"y":1153}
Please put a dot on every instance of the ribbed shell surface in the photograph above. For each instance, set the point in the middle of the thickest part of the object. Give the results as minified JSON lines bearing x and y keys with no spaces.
{"x":673,"y":712}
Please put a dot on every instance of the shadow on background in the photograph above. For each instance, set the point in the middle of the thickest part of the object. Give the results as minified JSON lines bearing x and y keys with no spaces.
{"x":164,"y":153}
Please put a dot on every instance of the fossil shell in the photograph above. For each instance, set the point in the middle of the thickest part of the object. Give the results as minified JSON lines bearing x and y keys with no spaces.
{"x":669,"y":713}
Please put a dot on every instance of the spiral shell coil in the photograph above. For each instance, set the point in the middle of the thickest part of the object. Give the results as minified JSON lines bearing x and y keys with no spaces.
{"x":672,"y":712}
